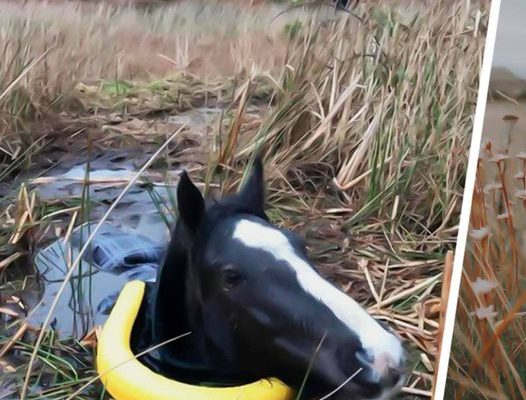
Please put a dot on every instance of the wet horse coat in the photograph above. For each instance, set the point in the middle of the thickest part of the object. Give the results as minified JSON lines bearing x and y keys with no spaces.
{"x":256,"y":306}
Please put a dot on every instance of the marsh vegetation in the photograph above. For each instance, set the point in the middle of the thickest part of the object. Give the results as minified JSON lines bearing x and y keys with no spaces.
{"x":487,"y":359}
{"x":364,"y":119}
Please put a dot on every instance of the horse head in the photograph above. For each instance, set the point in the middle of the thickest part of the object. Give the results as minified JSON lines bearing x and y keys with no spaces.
{"x":257,"y":307}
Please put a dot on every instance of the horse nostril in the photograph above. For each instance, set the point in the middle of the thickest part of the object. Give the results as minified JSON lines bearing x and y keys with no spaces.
{"x":381,"y":368}
{"x":393,"y":377}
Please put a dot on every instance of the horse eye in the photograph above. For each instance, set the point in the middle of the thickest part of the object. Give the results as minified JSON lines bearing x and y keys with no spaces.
{"x":231,"y":278}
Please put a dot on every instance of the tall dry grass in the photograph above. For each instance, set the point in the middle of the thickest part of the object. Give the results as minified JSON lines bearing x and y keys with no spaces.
{"x":364,"y":123}
{"x":92,"y":41}
{"x":488,"y":358}
{"x":64,"y":43}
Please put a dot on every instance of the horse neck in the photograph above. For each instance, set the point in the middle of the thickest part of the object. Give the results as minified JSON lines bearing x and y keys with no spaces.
{"x":173,"y":309}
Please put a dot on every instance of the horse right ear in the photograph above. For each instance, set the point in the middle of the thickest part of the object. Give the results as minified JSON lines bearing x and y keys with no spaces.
{"x":190,"y":203}
{"x":252,"y":194}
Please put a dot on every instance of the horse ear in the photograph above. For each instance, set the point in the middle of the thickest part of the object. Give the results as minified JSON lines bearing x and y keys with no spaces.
{"x":252,"y":193}
{"x":190,"y":202}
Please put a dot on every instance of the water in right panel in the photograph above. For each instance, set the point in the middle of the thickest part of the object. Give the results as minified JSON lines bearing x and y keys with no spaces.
{"x":488,"y":357}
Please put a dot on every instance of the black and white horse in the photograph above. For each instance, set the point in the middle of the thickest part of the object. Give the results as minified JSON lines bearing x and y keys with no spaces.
{"x":257,"y":308}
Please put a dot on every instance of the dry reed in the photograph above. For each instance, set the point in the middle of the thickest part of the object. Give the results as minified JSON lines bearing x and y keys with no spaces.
{"x":488,"y":354}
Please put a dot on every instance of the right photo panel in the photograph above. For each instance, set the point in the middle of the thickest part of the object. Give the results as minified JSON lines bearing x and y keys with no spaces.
{"x":488,"y":354}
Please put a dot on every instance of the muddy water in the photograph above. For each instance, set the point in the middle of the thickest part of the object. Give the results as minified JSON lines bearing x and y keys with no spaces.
{"x":85,"y":301}
{"x":79,"y":307}
{"x":145,"y":211}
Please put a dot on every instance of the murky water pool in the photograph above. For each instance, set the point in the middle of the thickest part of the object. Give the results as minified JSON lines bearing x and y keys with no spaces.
{"x":145,"y":213}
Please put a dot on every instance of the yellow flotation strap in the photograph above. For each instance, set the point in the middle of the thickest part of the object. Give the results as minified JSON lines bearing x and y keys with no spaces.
{"x":125,"y":378}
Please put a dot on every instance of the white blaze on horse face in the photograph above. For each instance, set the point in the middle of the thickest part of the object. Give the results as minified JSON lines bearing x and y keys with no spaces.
{"x":383,"y":347}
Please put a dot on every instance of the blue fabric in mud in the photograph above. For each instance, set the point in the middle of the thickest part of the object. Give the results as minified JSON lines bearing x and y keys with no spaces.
{"x":117,"y":254}
{"x":120,"y":252}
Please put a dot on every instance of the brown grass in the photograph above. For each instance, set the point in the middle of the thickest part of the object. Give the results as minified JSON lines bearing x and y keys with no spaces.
{"x":488,"y":352}
{"x":90,"y":41}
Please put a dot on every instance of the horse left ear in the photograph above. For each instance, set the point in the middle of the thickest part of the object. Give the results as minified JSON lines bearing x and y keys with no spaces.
{"x":252,"y":194}
{"x":190,"y":202}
